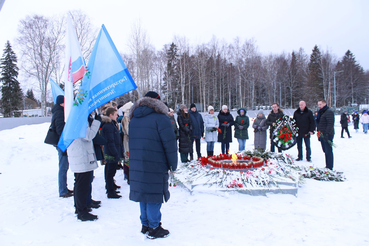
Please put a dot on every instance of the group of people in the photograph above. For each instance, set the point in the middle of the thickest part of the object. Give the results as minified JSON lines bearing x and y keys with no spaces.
{"x":356,"y":119}
{"x":145,"y":138}
{"x":151,"y":154}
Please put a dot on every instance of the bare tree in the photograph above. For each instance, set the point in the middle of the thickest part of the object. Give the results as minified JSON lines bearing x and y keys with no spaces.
{"x":86,"y":32}
{"x":40,"y":47}
{"x":139,"y":42}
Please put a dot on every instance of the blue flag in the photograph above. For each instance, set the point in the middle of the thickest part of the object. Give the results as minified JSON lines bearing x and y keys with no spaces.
{"x":106,"y":78}
{"x":56,"y":90}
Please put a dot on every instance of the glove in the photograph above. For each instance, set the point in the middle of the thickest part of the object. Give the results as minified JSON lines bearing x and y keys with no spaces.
{"x":240,"y":127}
{"x":224,"y":124}
{"x":98,"y":117}
{"x":215,"y":129}
{"x":260,"y":128}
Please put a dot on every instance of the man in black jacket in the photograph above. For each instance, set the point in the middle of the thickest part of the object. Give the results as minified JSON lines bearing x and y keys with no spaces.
{"x":305,"y":122}
{"x":325,"y":129}
{"x":275,"y":115}
{"x":57,"y":122}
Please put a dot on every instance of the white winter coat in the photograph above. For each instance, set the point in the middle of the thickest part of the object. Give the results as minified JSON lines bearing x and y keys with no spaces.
{"x":365,"y":119}
{"x":210,"y":121}
{"x":81,"y":153}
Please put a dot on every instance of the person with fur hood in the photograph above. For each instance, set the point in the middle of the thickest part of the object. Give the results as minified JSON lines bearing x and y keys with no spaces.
{"x":113,"y":150}
{"x":241,"y":125}
{"x":225,"y":128}
{"x":185,"y":133}
{"x":153,"y":153}
{"x":260,"y":131}
{"x":82,"y":161}
{"x":275,"y":114}
{"x":211,"y":123}
{"x":125,"y":124}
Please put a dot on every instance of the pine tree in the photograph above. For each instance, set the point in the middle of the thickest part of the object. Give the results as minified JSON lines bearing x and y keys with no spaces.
{"x":171,"y":78}
{"x":314,"y":88}
{"x":12,"y":95}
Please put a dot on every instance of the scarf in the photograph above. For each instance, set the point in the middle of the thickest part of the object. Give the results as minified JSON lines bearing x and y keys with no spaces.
{"x":320,"y":113}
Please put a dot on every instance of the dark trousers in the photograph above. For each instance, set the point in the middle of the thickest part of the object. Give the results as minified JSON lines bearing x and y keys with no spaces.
{"x":89,"y":197}
{"x":225,"y":147}
{"x":272,"y":147}
{"x":328,"y":150}
{"x":110,"y":170}
{"x":82,"y":184}
{"x":345,"y":129}
{"x":198,"y":142}
{"x":307,"y":146}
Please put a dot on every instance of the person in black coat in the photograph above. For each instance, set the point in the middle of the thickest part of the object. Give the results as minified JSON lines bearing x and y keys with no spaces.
{"x":113,"y":150}
{"x":325,"y":129}
{"x":345,"y":119}
{"x":226,"y":122}
{"x":305,"y":122}
{"x":153,"y":153}
{"x":356,"y":120}
{"x":185,"y":133}
{"x":57,"y":123}
{"x":197,"y":129}
{"x":274,"y":115}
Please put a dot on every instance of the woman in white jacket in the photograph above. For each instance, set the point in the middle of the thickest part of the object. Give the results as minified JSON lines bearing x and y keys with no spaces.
{"x":82,"y":161}
{"x":211,"y":124}
{"x":365,"y":121}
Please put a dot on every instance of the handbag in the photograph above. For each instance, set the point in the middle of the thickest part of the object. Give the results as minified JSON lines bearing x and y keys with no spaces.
{"x":51,"y":137}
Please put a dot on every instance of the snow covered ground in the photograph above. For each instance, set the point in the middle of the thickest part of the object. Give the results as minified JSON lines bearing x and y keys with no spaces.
{"x":323,"y":213}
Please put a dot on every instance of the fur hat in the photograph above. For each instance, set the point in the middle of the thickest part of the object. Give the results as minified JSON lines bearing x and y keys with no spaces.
{"x":210,"y":108}
{"x":152,"y":94}
{"x":224,"y":107}
{"x":60,"y":99}
{"x":192,"y":105}
{"x":182,"y":107}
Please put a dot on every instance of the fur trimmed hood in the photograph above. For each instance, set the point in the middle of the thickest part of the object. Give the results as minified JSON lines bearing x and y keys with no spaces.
{"x":105,"y":119}
{"x":155,"y":104}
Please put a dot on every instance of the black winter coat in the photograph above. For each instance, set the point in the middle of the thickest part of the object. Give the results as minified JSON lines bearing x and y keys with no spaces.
{"x":304,"y":121}
{"x":153,"y":151}
{"x":225,"y":133}
{"x":113,"y":149}
{"x":98,"y":141}
{"x":356,"y":119}
{"x":197,"y":125}
{"x":344,"y":119}
{"x":325,"y":121}
{"x":57,"y":120}
{"x":272,"y":118}
{"x":185,"y":132}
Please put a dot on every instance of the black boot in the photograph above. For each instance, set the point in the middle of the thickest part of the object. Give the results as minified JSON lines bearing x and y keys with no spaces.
{"x":211,"y":153}
{"x":87,"y":217}
{"x":158,"y":232}
{"x":208,"y":152}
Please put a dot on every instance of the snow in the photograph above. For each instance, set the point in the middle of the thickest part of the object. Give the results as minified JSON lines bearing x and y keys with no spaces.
{"x":323,"y":213}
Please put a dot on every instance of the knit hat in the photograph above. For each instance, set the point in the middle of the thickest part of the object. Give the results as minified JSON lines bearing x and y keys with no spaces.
{"x":193,"y":105}
{"x":152,"y":94}
{"x":210,"y":108}
{"x":182,"y":107}
{"x":171,"y":110}
{"x":224,"y":107}
{"x":60,"y":99}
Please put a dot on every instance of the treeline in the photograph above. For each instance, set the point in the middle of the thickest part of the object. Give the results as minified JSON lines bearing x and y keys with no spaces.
{"x":238,"y":75}
{"x":215,"y":73}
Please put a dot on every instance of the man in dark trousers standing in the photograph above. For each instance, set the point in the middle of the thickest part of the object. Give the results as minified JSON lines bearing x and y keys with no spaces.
{"x":325,"y":129}
{"x":275,"y":114}
{"x":305,"y":122}
{"x":197,"y":129}
{"x":153,"y":153}
{"x":57,"y":122}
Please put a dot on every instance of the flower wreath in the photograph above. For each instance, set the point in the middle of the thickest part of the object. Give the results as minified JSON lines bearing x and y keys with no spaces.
{"x":285,"y":134}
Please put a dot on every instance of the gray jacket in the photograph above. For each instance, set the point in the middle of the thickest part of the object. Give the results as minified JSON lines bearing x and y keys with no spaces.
{"x":81,"y":153}
{"x":210,"y":121}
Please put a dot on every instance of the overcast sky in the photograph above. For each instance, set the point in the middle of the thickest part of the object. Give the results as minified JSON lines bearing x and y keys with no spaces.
{"x":277,"y":26}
